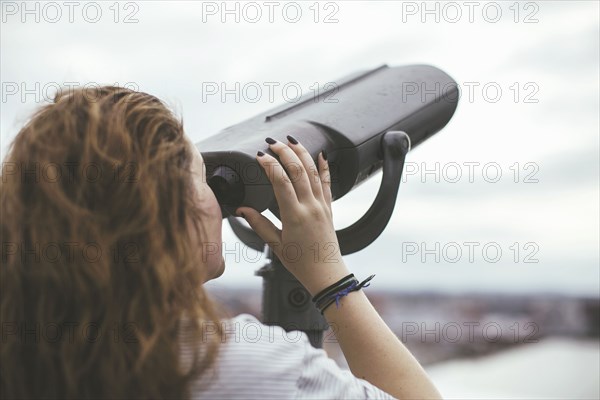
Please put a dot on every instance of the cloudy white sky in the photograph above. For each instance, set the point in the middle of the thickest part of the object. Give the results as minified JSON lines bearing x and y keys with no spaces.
{"x":543,"y":55}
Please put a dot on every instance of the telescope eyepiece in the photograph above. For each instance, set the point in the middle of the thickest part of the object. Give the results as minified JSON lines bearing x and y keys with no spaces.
{"x":227,"y":186}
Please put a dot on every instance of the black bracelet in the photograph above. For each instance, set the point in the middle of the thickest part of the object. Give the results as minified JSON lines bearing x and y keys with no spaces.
{"x":335,"y":297}
{"x":333,"y":288}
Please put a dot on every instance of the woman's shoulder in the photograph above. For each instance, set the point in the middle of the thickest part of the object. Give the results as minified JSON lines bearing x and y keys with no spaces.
{"x":254,"y":361}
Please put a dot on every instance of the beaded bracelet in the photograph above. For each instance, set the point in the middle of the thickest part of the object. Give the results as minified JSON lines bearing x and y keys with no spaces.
{"x":341,"y":288}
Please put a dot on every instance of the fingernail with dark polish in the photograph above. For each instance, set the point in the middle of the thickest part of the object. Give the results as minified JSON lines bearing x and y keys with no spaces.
{"x":324,"y":154}
{"x":292,"y":139}
{"x":260,"y":153}
{"x":270,"y":141}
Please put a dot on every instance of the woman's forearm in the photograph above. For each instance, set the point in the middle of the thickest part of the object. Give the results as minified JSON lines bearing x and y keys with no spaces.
{"x":374,"y":353}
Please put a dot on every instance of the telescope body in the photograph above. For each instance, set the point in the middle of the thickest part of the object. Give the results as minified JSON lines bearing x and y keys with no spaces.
{"x":366,"y":122}
{"x":348,"y":121}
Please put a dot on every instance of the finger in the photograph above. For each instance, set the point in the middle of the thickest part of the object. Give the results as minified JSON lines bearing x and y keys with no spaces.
{"x":282,"y":186}
{"x":294,"y":168}
{"x":309,"y":166}
{"x":325,"y":178}
{"x":263,"y":227}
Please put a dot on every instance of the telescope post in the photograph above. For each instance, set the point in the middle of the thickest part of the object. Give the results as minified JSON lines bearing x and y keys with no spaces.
{"x":288,"y":304}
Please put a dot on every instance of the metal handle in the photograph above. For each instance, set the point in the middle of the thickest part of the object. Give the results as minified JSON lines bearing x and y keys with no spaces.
{"x":394,"y":145}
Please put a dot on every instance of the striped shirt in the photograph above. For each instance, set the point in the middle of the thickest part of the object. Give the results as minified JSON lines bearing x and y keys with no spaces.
{"x":266,"y":362}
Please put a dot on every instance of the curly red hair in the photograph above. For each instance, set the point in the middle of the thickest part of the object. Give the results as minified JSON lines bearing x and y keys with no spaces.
{"x":98,"y":265}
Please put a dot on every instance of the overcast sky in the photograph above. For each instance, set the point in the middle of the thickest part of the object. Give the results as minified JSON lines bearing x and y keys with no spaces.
{"x":541,"y":132}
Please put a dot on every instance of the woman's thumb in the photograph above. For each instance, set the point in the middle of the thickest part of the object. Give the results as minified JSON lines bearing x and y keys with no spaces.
{"x":260,"y":224}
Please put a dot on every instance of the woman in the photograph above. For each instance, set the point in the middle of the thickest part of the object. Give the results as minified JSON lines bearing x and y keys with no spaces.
{"x":105,"y":215}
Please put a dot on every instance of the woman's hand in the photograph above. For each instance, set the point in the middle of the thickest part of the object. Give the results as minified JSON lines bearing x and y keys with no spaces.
{"x":307,"y":244}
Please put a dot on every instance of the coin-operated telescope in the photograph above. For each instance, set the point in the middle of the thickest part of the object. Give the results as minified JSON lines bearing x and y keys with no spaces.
{"x":366,"y":122}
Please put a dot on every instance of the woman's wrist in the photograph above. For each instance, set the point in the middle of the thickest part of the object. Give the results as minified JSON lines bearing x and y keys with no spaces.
{"x":323,"y":276}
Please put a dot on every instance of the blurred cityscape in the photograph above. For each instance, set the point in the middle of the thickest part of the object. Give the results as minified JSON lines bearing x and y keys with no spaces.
{"x":437,"y":327}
